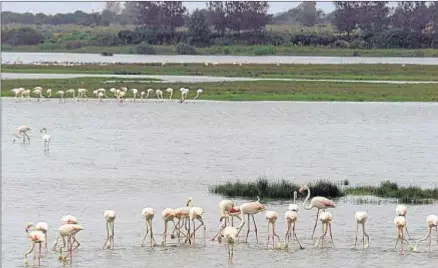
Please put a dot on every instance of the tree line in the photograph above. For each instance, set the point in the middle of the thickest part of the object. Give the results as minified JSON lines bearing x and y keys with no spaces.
{"x":366,"y":24}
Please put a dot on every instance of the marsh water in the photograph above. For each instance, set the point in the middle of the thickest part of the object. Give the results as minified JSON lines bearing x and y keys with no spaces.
{"x":195,"y":79}
{"x":129,"y":156}
{"x":30,"y":58}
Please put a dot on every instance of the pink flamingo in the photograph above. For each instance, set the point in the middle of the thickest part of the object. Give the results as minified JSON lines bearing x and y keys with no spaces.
{"x":432,"y":222}
{"x":291,"y":217}
{"x":68,"y":231}
{"x":35,"y":237}
{"x":362,"y":218}
{"x":67,"y":219}
{"x":148,"y":214}
{"x":110,"y":217}
{"x":402,"y":210}
{"x":250,"y":209}
{"x":272,"y":217}
{"x":167,"y":215}
{"x":326,"y":219}
{"x":231,"y":234}
{"x":400,"y":223}
{"x":318,"y":202}
{"x":22,"y":133}
{"x":195,"y":213}
{"x":43,"y":227}
{"x":227,"y":209}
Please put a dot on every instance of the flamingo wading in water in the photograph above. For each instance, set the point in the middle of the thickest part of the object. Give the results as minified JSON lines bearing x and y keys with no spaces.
{"x":148,"y":214}
{"x":326,"y":219}
{"x":400,"y":223}
{"x":318,"y":202}
{"x":46,"y":138}
{"x":250,"y":209}
{"x":35,"y":237}
{"x":361,"y":218}
{"x":291,"y":217}
{"x":432,"y":222}
{"x":22,"y":133}
{"x":110,"y":217}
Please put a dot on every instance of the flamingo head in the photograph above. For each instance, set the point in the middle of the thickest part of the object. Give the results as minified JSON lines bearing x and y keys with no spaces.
{"x":28,"y":226}
{"x":302,"y":188}
{"x":189,"y":201}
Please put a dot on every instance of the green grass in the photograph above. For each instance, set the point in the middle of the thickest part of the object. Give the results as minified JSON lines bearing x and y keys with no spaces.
{"x":235,"y":50}
{"x":388,"y":189}
{"x":280,"y":189}
{"x":303,"y":71}
{"x":252,"y":91}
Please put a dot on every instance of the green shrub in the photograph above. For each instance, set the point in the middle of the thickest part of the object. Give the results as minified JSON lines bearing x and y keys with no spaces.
{"x":264,"y":50}
{"x":185,"y":49}
{"x":145,"y":49}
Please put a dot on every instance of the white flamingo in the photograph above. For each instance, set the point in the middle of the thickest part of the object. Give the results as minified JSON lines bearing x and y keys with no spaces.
{"x":72,"y":92}
{"x":196,"y":214}
{"x":110,"y":217}
{"x":291,"y":217}
{"x":49,"y":93}
{"x":82,"y":93}
{"x":68,"y":231}
{"x":432,"y":222}
{"x":148,"y":214}
{"x":46,"y":138}
{"x":402,"y":210}
{"x":272,"y":217}
{"x":61,"y":95}
{"x":150,"y":91}
{"x":184,"y":94}
{"x":142,"y":93}
{"x":38,"y":93}
{"x":35,"y":237}
{"x":326,"y":219}
{"x":361,"y":218}
{"x":230,"y":233}
{"x":198,"y":92}
{"x":170,"y":91}
{"x":134,"y":93}
{"x":43,"y":227}
{"x":22,"y":133}
{"x":159,"y":94}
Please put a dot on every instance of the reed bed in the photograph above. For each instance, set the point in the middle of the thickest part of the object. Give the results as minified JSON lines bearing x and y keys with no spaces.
{"x":280,"y":189}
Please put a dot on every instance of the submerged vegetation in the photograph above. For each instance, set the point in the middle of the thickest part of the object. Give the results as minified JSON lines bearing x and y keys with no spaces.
{"x":283,"y":189}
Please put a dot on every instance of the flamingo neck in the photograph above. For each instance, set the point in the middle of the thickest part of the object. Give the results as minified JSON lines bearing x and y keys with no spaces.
{"x":307,"y":198}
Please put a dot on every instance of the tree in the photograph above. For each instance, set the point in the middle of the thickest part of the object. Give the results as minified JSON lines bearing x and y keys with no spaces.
{"x":412,"y":16}
{"x":115,"y":7}
{"x":255,"y":15}
{"x":346,"y":16}
{"x":172,"y":14}
{"x":373,"y":16}
{"x":307,"y":14}
{"x":234,"y":11}
{"x":148,"y":14}
{"x":198,"y":28}
{"x":216,"y":16}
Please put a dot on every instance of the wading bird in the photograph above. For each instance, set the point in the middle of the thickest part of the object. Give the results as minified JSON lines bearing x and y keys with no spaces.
{"x":35,"y":237}
{"x":272,"y":217}
{"x":22,"y":133}
{"x":167,"y":215}
{"x":432,"y":222}
{"x":61,"y":95}
{"x":198,"y":92}
{"x":402,"y":210}
{"x":43,"y":227}
{"x":291,"y":217}
{"x":170,"y":91}
{"x":68,"y":231}
{"x":326,"y":219}
{"x":400,"y":223}
{"x":46,"y":138}
{"x":110,"y":217}
{"x":228,"y":209}
{"x":318,"y":202}
{"x":196,"y":214}
{"x":250,"y":209}
{"x":361,"y":219}
{"x":148,"y":214}
{"x":230,"y":233}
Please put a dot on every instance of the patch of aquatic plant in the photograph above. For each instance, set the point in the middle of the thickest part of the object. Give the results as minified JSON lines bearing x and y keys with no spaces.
{"x":280,"y":189}
{"x":388,"y":189}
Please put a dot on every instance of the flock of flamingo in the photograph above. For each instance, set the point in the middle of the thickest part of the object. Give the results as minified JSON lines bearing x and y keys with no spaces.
{"x":101,"y":93}
{"x":185,"y":226}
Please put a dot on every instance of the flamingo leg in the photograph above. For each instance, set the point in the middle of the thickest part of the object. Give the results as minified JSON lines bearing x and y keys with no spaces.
{"x":424,"y":238}
{"x":28,"y":252}
{"x":56,"y":243}
{"x":274,"y":234}
{"x":287,"y":235}
{"x":75,"y":240}
{"x":365,"y":234}
{"x":107,"y":236}
{"x":331,"y":235}
{"x":112,"y":234}
{"x":295,"y":234}
{"x":357,"y":230}
{"x":249,"y":228}
{"x":321,"y":238}
{"x":145,"y":235}
{"x":269,"y":235}
{"x":255,"y":228}
{"x":165,"y":233}
{"x":153,"y":242}
{"x":39,"y":254}
{"x":316,"y":222}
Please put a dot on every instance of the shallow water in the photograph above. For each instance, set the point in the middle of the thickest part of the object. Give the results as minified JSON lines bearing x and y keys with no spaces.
{"x":30,"y":58}
{"x":129,"y":156}
{"x":197,"y":79}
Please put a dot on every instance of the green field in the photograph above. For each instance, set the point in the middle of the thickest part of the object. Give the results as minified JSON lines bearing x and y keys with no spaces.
{"x":303,"y":71}
{"x":236,"y":50}
{"x":251,"y":91}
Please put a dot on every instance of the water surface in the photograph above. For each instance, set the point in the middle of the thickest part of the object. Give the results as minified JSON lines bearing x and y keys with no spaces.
{"x":129,"y":156}
{"x":31,"y":58}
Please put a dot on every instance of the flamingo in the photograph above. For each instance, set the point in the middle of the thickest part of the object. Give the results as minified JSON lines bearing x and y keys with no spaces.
{"x":400,"y":223}
{"x":102,"y":90}
{"x":170,"y":90}
{"x":167,"y":215}
{"x":402,"y":210}
{"x":71,"y":91}
{"x":291,"y":217}
{"x":250,"y":209}
{"x":196,"y":214}
{"x":227,"y":209}
{"x":69,"y":231}
{"x":198,"y":92}
{"x":230,"y":233}
{"x":272,"y":217}
{"x":18,"y":92}
{"x":67,"y":219}
{"x":110,"y":217}
{"x":159,"y":94}
{"x":61,"y":95}
{"x":35,"y":237}
{"x":82,"y":93}
{"x":25,"y":94}
{"x":49,"y":93}
{"x":431,"y":221}
{"x":142,"y":95}
{"x":95,"y":92}
{"x":326,"y":219}
{"x":22,"y":132}
{"x":43,"y":227}
{"x":184,"y":94}
{"x":150,"y":91}
{"x":318,"y":202}
{"x":113,"y":90}
{"x":183,"y":216}
{"x":148,"y":214}
{"x":362,"y":218}
{"x":100,"y":95}
{"x":46,"y":138}
{"x":134,"y":93}
{"x":38,"y":93}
